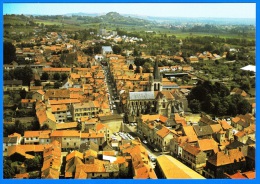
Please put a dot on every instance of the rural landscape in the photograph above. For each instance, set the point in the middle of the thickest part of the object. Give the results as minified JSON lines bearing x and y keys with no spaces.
{"x":125,"y":96}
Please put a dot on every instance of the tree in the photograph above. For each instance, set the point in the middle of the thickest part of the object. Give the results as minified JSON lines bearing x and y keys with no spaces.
{"x":123,"y":172}
{"x":19,"y":127}
{"x":56,"y":76}
{"x":64,"y":76}
{"x":45,"y":76}
{"x":131,"y":67}
{"x":37,"y":83}
{"x":9,"y":52}
{"x":9,"y":171}
{"x":25,"y":74}
{"x":45,"y":127}
{"x":23,"y":93}
{"x":33,"y":164}
{"x":116,"y":49}
{"x":79,"y":125}
{"x":244,"y":107}
{"x":194,"y":106}
{"x":57,"y":85}
{"x":136,"y":53}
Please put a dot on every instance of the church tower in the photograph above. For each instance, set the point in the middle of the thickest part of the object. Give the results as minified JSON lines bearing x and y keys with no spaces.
{"x":156,"y":79}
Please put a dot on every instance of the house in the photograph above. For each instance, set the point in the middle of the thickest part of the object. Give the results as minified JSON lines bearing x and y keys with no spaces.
{"x":52,"y":71}
{"x":46,"y":118}
{"x":9,"y":141}
{"x":67,"y":126}
{"x":113,"y":122}
{"x":168,"y":167}
{"x":242,"y":122}
{"x":28,"y":103}
{"x":13,"y":85}
{"x":163,"y":137}
{"x":227,"y":161}
{"x":193,"y":59}
{"x":87,"y":109}
{"x":69,"y":139}
{"x":190,"y":133}
{"x":95,"y":137}
{"x":238,"y":91}
{"x":60,"y":112}
{"x":38,"y":95}
{"x":37,"y":137}
{"x":104,"y":129}
{"x":51,"y":161}
{"x":209,"y":146}
{"x":57,"y":94}
{"x":95,"y":168}
{"x":72,"y":160}
{"x":139,"y":160}
{"x":106,"y":50}
{"x":194,"y":157}
{"x":203,"y":131}
{"x":22,"y":152}
{"x":241,"y":175}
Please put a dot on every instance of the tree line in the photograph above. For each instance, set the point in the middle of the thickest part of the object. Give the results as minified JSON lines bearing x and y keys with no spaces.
{"x":216,"y":99}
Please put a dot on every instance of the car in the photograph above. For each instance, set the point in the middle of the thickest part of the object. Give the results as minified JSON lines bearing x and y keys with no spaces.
{"x":144,"y":141}
{"x":155,"y":149}
{"x":153,"y":159}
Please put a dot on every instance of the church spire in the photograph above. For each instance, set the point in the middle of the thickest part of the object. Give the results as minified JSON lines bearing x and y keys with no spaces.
{"x":156,"y":73}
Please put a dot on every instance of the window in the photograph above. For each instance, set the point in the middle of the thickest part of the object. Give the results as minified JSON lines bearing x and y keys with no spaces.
{"x":67,"y":144}
{"x":74,"y":144}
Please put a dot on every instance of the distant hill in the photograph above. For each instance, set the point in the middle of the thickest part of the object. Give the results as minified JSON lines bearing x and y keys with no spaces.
{"x":116,"y":18}
{"x":83,"y":14}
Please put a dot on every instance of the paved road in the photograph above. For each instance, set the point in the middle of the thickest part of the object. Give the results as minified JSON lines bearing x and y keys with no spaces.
{"x":110,"y":89}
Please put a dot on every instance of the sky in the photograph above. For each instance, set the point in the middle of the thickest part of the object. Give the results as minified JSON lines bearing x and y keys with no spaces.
{"x":205,"y":10}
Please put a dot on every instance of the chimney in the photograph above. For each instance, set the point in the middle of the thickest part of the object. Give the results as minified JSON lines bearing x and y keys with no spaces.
{"x":226,"y":152}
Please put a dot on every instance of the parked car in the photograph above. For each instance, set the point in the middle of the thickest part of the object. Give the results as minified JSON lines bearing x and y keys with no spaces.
{"x":144,"y":141}
{"x":156,"y":150}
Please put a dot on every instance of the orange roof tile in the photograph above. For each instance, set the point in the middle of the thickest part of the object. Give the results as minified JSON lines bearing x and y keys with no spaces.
{"x":208,"y":144}
{"x":249,"y":174}
{"x":216,"y":128}
{"x":190,"y":133}
{"x":22,"y":176}
{"x":92,"y":135}
{"x":56,"y":69}
{"x":74,"y":154}
{"x":222,"y":158}
{"x":59,"y":108}
{"x":225,"y":125}
{"x":65,"y":133}
{"x":69,"y":125}
{"x":163,"y":132}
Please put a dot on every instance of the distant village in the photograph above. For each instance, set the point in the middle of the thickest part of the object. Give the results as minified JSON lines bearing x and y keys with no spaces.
{"x":104,"y":120}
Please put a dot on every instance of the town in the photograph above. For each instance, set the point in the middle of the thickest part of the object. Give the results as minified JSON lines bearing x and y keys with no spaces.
{"x":107,"y":103}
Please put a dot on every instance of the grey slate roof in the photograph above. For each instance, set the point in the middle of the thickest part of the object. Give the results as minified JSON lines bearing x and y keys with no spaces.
{"x":144,"y":95}
{"x":10,"y":139}
{"x":110,"y":117}
{"x":235,"y":145}
{"x":13,"y":82}
{"x":203,"y":130}
{"x":107,"y":49}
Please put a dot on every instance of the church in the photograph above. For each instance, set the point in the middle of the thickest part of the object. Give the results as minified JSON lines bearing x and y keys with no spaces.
{"x":154,"y":101}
